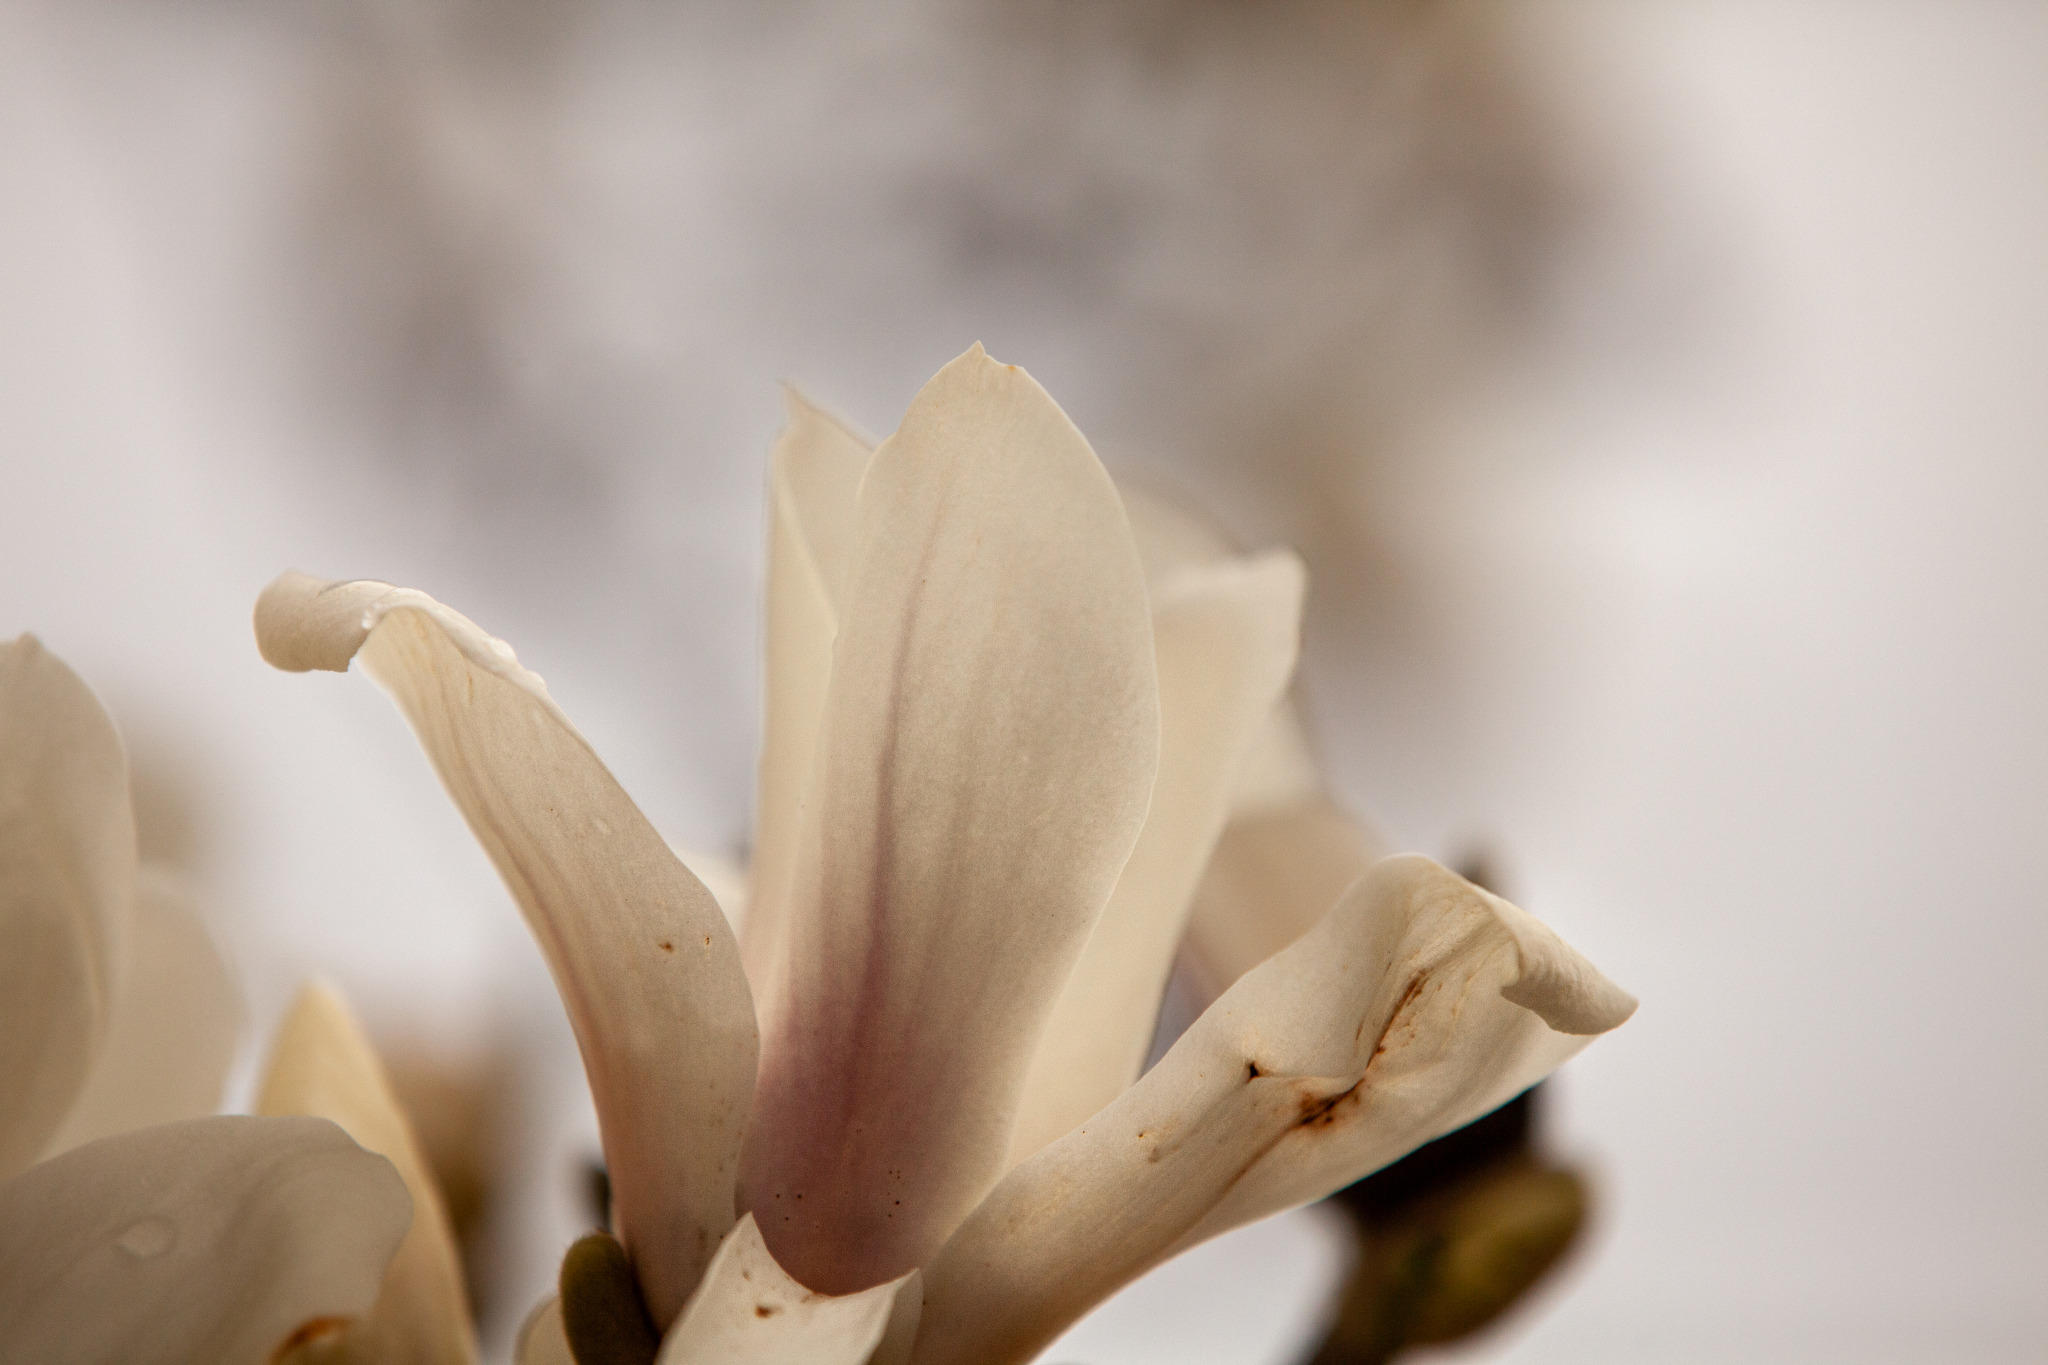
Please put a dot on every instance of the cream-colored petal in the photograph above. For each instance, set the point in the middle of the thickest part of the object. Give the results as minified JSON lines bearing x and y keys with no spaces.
{"x":749,"y":1310}
{"x":1290,"y":850}
{"x":176,"y":1017}
{"x":542,"y":1341}
{"x":1280,"y":770}
{"x":322,"y":1066}
{"x":900,"y":1336}
{"x":813,"y":482}
{"x":67,"y":890}
{"x":725,"y":879}
{"x":1225,"y":634}
{"x":1169,"y":536}
{"x":1393,"y":1022}
{"x":646,"y":964}
{"x":1274,"y":873}
{"x":222,"y":1240}
{"x":987,"y":755}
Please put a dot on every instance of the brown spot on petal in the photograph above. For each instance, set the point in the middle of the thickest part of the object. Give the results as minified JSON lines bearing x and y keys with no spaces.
{"x":666,"y":946}
{"x":1321,"y":1112}
{"x":310,"y":1332}
{"x":764,"y":1310}
{"x":1252,"y":1072}
{"x":1407,"y":999}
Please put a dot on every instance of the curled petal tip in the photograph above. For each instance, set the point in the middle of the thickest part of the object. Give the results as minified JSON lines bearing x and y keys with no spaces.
{"x":669,"y":1036}
{"x":305,"y":623}
{"x":1594,"y":1007}
{"x":1557,"y":985}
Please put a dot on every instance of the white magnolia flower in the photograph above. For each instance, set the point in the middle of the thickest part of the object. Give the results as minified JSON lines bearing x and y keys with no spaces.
{"x":996,"y":760}
{"x":148,"y":1231}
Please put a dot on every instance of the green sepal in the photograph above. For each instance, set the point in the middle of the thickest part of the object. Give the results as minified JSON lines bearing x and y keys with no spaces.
{"x":1453,"y":1262}
{"x":603,"y":1314}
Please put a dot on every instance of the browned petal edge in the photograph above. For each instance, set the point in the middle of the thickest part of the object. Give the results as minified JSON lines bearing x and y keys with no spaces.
{"x":311,"y":1332}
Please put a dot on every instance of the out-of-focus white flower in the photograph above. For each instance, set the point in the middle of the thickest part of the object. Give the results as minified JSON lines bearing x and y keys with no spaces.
{"x":996,"y":760}
{"x":150,"y":1232}
{"x":322,"y":1066}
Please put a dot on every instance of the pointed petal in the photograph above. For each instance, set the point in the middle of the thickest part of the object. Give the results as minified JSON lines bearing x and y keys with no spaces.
{"x":646,"y":964}
{"x":541,"y":1338}
{"x":814,"y":479}
{"x":749,"y":1310}
{"x":214,"y":1239}
{"x":988,"y":751}
{"x":1225,"y":634}
{"x":322,"y":1066}
{"x":67,"y":889}
{"x":171,"y":1037}
{"x":1417,"y":1005}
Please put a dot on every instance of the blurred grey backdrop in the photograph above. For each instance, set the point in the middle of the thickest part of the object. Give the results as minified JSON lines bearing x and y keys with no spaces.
{"x":1656,"y":390}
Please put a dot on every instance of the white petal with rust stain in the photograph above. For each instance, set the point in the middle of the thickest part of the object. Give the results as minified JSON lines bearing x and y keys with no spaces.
{"x":646,"y":964}
{"x":1418,"y":1004}
{"x":322,"y":1066}
{"x":224,"y":1240}
{"x":986,"y":758}
{"x":176,"y":1019}
{"x":749,"y":1310}
{"x":1225,"y":634}
{"x":67,"y":888}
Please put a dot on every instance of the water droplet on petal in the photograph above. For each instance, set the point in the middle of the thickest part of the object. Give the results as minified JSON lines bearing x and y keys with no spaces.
{"x":150,"y":1237}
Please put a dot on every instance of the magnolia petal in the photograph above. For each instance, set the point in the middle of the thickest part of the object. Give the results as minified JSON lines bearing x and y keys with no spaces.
{"x":1393,"y":1022}
{"x":1274,"y":874}
{"x":225,"y":1240}
{"x":1225,"y":635}
{"x":1280,"y":770}
{"x":175,"y":1021}
{"x":900,"y":1336}
{"x":1289,"y":850}
{"x":748,"y":1309}
{"x":987,"y":755}
{"x":1169,"y":536}
{"x":67,"y":890}
{"x":725,"y":879}
{"x":814,"y":479}
{"x":323,"y":1066}
{"x":645,"y":962}
{"x":541,"y":1338}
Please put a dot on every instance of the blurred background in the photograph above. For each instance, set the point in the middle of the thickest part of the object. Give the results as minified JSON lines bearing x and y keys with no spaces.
{"x":1656,"y":391}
